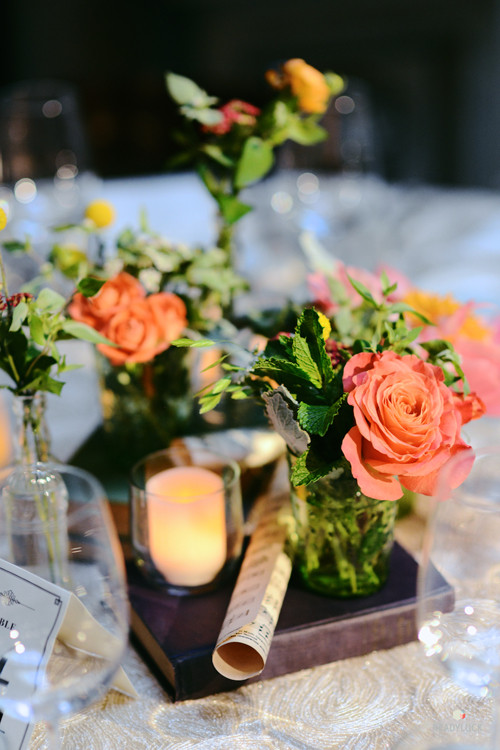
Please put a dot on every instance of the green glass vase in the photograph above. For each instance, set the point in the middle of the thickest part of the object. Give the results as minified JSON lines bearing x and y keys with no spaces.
{"x":341,"y":540}
{"x":145,"y":405}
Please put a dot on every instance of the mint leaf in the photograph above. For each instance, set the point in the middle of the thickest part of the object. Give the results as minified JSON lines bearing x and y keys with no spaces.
{"x":306,"y":361}
{"x":308,"y":468}
{"x":316,"y":419}
{"x":310,"y":329}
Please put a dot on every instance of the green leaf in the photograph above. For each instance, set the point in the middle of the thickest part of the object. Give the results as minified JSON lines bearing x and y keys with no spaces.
{"x":335,"y":83}
{"x":90,"y":286}
{"x":216,"y":363}
{"x":306,"y":361}
{"x":363,"y":292}
{"x":191,"y":343}
{"x":307,"y":132}
{"x":316,"y":419}
{"x":309,"y":328}
{"x":206,"y":116}
{"x":209,"y":402}
{"x":308,"y":468}
{"x":50,"y":301}
{"x":185,"y":91}
{"x":36,"y":330}
{"x":221,"y":385}
{"x":400,"y":307}
{"x":239,"y":395}
{"x":256,"y":160}
{"x":86,"y":333}
{"x":19,"y":316}
{"x":13,"y":245}
{"x":285,"y":373}
{"x":217,"y":154}
{"x":231,"y":208}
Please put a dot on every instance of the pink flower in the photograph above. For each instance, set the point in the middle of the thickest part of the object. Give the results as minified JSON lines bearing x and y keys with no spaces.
{"x":321,"y":292}
{"x":407,"y":424}
{"x":235,"y":111}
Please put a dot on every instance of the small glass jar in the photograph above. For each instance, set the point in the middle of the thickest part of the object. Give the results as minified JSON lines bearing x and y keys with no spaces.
{"x":341,"y":540}
{"x":186,"y":518}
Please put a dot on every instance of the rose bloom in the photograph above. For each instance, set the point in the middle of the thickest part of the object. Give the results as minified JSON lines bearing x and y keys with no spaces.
{"x":144,"y":329}
{"x":407,"y":424}
{"x":306,"y":83}
{"x":117,"y":293}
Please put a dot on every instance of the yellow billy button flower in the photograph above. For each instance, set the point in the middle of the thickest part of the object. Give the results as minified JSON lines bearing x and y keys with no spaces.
{"x":325,"y":325}
{"x":101,"y":213}
{"x":3,"y":219}
{"x":438,"y":308}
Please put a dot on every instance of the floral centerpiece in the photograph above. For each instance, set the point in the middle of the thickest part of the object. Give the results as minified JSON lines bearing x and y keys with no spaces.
{"x":140,"y":296}
{"x":233,"y":145}
{"x":366,"y":409}
{"x":33,"y":494}
{"x":30,"y":328}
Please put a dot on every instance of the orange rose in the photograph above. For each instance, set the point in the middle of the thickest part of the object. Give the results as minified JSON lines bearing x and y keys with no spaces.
{"x":115,"y":294}
{"x":144,"y":328}
{"x":407,"y":424}
{"x":306,"y":83}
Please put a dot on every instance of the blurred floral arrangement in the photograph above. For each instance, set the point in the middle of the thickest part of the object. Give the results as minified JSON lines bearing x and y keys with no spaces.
{"x":138,"y":297}
{"x":233,"y":146}
{"x":359,"y":388}
{"x":30,"y":327}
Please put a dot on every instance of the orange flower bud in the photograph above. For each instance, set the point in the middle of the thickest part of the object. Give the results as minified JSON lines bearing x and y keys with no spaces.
{"x":308,"y":85}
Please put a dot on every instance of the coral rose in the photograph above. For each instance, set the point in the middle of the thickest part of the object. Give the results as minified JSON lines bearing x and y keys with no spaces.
{"x":144,"y":329}
{"x":407,"y":424}
{"x":117,"y":293}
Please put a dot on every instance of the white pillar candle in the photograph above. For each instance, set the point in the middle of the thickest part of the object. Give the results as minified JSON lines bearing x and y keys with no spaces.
{"x":187,"y":527}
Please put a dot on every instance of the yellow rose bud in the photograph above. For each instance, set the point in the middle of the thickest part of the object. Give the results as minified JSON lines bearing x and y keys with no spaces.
{"x":101,"y":213}
{"x":3,"y":219}
{"x":308,"y":85}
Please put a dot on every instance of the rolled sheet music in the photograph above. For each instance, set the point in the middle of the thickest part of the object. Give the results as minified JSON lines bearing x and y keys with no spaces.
{"x":247,"y":631}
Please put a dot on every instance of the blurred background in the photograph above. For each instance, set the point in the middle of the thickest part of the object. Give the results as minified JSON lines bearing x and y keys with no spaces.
{"x":423,"y":75}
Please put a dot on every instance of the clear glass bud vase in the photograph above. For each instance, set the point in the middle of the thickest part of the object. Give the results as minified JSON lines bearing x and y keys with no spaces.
{"x":341,"y":539}
{"x":34,"y":500}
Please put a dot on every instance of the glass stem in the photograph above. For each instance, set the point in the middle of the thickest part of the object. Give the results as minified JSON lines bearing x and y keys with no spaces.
{"x":53,"y":735}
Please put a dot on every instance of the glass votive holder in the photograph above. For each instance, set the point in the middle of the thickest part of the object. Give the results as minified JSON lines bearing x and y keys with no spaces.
{"x":186,"y":519}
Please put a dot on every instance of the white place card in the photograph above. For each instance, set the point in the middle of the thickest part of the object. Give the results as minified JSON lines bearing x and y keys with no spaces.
{"x":26,"y":598}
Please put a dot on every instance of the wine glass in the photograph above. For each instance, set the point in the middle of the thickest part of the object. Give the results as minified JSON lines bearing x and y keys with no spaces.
{"x":459,"y":584}
{"x":92,"y":633}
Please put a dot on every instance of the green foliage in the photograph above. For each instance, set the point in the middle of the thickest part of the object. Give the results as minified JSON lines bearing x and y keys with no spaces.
{"x":231,"y":154}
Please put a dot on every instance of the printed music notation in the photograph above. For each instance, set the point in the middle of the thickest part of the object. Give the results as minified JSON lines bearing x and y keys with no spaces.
{"x":247,"y":631}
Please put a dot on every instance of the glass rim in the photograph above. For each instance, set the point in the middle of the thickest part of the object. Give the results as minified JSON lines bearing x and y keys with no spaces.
{"x":461,"y":493}
{"x":225,"y":462}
